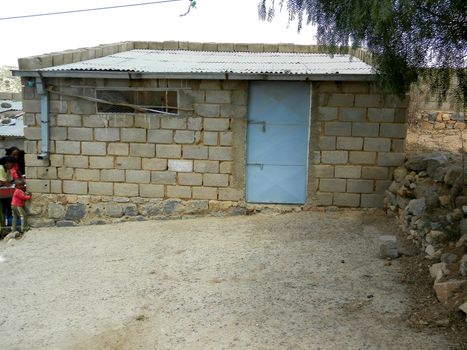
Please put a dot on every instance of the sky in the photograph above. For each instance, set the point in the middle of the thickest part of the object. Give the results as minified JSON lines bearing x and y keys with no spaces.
{"x":211,"y":21}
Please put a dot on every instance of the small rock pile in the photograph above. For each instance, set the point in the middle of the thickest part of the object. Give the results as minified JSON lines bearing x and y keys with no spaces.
{"x":441,"y":120}
{"x":429,"y":198}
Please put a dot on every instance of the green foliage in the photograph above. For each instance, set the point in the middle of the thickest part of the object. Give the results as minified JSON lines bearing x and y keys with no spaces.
{"x":409,"y":39}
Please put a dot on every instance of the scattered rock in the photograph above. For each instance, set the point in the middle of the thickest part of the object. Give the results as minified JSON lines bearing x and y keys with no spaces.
{"x":113,"y":210}
{"x":417,"y":207}
{"x":463,"y":266}
{"x":438,"y":271}
{"x":462,"y":241}
{"x":452,"y":174}
{"x":399,"y":174}
{"x":463,"y":308}
{"x":435,"y":236}
{"x":65,"y":223}
{"x":56,"y":211}
{"x":448,"y":258}
{"x":445,"y":290}
{"x":443,"y":322}
{"x":463,"y":226}
{"x":430,"y":250}
{"x":388,"y":247}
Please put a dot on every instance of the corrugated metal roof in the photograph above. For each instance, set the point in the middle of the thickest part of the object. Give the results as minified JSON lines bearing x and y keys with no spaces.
{"x":14,"y":129}
{"x":13,"y":105}
{"x":192,"y":62}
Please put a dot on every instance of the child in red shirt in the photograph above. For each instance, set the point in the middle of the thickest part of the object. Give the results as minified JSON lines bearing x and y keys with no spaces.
{"x":17,"y":205}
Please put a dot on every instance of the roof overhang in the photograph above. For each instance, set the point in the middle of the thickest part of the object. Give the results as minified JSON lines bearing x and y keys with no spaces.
{"x":192,"y":76}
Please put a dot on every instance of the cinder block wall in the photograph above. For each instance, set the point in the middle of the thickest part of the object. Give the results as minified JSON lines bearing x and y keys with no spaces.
{"x":357,"y":139}
{"x":196,"y":155}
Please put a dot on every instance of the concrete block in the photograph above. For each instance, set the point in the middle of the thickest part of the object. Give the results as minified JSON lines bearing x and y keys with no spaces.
{"x":76,"y":161}
{"x":220,"y":153}
{"x":184,"y":136}
{"x":138,"y":176}
{"x":332,"y":185}
{"x":195,"y":152}
{"x":240,"y":96}
{"x":68,"y":120}
{"x":233,"y":111}
{"x":68,"y":147}
{"x":56,"y":186}
{"x":30,"y":119}
{"x":160,"y":136}
{"x":73,"y":187}
{"x":65,"y":173}
{"x":83,"y":107}
{"x":360,"y":186}
{"x":338,"y":129}
{"x":381,"y":115}
{"x":121,"y":121}
{"x":391,"y":158}
{"x":226,"y":167}
{"x":87,"y":174}
{"x":194,"y":123}
{"x":32,"y":133}
{"x":95,"y":121}
{"x":372,"y":201}
{"x":32,"y":106}
{"x":182,"y":192}
{"x":113,"y":175}
{"x":56,"y":160}
{"x":365,"y":129}
{"x":349,"y":143}
{"x":172,"y":122}
{"x":334,"y":157}
{"x":346,"y":200}
{"x":348,"y":171}
{"x":151,"y":191}
{"x":80,"y":134}
{"x":393,"y":101}
{"x":216,"y":180}
{"x":341,"y":100}
{"x":377,"y":144}
{"x":204,"y":193}
{"x":101,"y":162}
{"x":142,"y":150}
{"x":154,"y":164}
{"x":218,"y":96}
{"x":190,"y":179}
{"x":133,"y":135}
{"x":128,"y":163}
{"x":355,"y":87}
{"x":370,"y":100}
{"x":126,"y":190}
{"x":327,"y":143}
{"x":118,"y":149}
{"x":375,"y":172}
{"x":323,"y":171}
{"x":58,"y":133}
{"x":230,"y":194}
{"x":356,"y":157}
{"x":101,"y":188}
{"x":327,"y":113}
{"x":147,"y":121}
{"x":206,"y":166}
{"x":398,"y":146}
{"x":107,"y":134}
{"x":352,"y":114}
{"x":210,"y":138}
{"x":225,"y":138}
{"x":393,"y":130}
{"x":93,"y":148}
{"x":46,"y":173}
{"x":168,"y":151}
{"x":183,"y":166}
{"x":163,"y":177}
{"x":324,"y":198}
{"x":38,"y":186}
{"x":216,"y":124}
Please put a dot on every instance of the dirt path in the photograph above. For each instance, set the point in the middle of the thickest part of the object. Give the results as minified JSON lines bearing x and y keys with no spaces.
{"x":293,"y":281}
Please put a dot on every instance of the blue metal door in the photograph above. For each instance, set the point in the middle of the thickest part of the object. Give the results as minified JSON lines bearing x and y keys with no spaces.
{"x":277,"y":147}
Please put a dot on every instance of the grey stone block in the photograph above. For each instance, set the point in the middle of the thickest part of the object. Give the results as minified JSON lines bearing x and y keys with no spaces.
{"x":381,"y":115}
{"x":372,"y":201}
{"x":160,"y":136}
{"x":394,"y":130}
{"x":332,"y":185}
{"x":142,"y":150}
{"x":107,"y":134}
{"x":360,"y":186}
{"x":375,"y":172}
{"x":356,"y":157}
{"x":365,"y":129}
{"x":346,"y":200}
{"x":377,"y":144}
{"x":349,"y":143}
{"x":390,"y":159}
{"x":338,"y":129}
{"x":334,"y":157}
{"x":327,"y":143}
{"x":352,"y":114}
{"x":348,"y":171}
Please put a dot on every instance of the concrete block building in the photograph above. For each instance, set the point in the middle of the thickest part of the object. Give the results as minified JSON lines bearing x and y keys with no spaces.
{"x":157,"y":128}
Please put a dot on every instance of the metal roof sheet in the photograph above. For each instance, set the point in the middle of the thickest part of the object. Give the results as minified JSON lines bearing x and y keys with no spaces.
{"x":14,"y":129}
{"x":193,"y":62}
{"x":13,"y":105}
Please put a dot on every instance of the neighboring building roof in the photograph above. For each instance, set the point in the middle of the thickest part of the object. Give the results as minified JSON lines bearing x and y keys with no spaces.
{"x":13,"y":129}
{"x":10,"y":105}
{"x":207,"y":62}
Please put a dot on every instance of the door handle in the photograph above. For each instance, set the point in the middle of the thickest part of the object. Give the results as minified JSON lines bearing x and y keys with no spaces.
{"x":258,"y":122}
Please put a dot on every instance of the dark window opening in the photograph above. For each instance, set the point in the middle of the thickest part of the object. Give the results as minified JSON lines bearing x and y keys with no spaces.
{"x":128,"y":101}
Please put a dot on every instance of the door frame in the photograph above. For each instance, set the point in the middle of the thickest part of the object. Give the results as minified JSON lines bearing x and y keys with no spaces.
{"x":307,"y":166}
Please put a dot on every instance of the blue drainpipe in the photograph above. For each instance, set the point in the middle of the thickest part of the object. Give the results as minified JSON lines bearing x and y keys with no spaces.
{"x":42,"y":91}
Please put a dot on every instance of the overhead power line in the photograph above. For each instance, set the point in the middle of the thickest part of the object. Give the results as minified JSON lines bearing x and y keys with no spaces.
{"x":90,"y":9}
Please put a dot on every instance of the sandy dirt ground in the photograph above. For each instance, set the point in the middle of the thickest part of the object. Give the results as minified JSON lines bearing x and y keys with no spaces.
{"x":292,"y":281}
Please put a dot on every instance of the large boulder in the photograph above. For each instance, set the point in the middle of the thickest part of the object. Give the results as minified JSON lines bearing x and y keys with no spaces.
{"x":417,"y":207}
{"x":429,"y":162}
